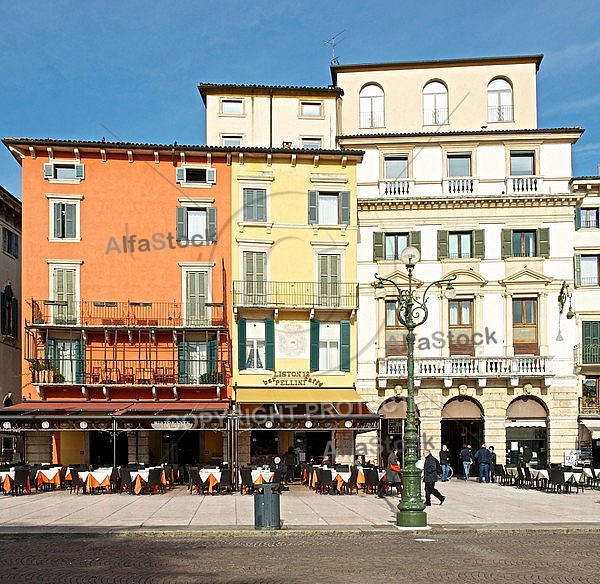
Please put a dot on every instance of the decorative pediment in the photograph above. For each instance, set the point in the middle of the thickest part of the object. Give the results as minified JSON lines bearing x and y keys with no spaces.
{"x":467,"y":278}
{"x":401,"y":279}
{"x":526,"y":277}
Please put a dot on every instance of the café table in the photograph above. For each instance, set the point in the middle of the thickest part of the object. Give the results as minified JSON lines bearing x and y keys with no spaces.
{"x":212,"y":475}
{"x":260,"y":476}
{"x":6,"y":479}
{"x":139,"y":478}
{"x":48,"y":476}
{"x":96,"y":479}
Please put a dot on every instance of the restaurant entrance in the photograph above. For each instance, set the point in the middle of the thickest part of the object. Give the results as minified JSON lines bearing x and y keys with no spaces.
{"x":101,"y":448}
{"x":314,"y":443}
{"x":458,"y":433}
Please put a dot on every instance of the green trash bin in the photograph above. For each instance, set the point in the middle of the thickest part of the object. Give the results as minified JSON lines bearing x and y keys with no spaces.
{"x":266,"y":507}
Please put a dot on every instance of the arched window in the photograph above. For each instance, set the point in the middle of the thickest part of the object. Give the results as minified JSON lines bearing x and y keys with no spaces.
{"x":371,"y":107}
{"x":500,"y":101}
{"x":9,"y":316}
{"x":435,"y":104}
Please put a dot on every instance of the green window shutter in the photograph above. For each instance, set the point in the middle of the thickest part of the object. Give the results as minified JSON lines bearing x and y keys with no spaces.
{"x":50,"y":352}
{"x":212,"y":358}
{"x":543,"y":242}
{"x":507,"y":251}
{"x":48,"y":170}
{"x":79,"y":350}
{"x":3,"y":314}
{"x":269,"y":344}
{"x":442,"y":244}
{"x":80,"y":171}
{"x":211,"y":213}
{"x":15,"y":324}
{"x":590,"y":336}
{"x":180,"y":175}
{"x":577,"y":217}
{"x":313,"y":216}
{"x":478,"y":243}
{"x":315,"y":325}
{"x":577,"y":268}
{"x":58,"y":219}
{"x":344,"y":345}
{"x":70,"y":228}
{"x":414,"y":239}
{"x":378,"y":245}
{"x":241,"y":344}
{"x":345,"y":207}
{"x":181,"y":226}
{"x":183,"y":357}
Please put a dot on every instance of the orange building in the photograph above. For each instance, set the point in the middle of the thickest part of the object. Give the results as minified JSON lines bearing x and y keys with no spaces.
{"x":126,"y":252}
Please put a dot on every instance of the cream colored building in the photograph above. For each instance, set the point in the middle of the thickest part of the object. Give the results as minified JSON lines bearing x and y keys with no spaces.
{"x":455,"y":165}
{"x":582,"y":305}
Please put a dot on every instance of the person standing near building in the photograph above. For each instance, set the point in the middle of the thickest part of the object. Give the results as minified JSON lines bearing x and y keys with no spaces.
{"x":290,"y":461}
{"x":431,"y":469}
{"x":445,"y":462}
{"x":483,"y":458}
{"x":493,"y":460}
{"x":466,"y":458}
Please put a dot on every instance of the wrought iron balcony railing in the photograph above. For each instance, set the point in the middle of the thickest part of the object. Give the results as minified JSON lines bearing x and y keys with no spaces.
{"x":500,"y":113}
{"x":589,"y":405}
{"x":296,"y":294}
{"x":586,"y":354}
{"x":126,"y":314}
{"x":467,"y":366}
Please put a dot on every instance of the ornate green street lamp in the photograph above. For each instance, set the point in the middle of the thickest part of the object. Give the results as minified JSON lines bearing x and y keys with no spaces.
{"x":412,"y":313}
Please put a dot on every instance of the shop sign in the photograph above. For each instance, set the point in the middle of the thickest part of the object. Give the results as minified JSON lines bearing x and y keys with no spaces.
{"x":292,"y":379}
{"x":172,"y":425}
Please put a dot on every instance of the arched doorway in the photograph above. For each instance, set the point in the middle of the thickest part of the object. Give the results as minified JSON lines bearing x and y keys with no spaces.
{"x":462,"y":423}
{"x":393,"y":412}
{"x":527,"y":432}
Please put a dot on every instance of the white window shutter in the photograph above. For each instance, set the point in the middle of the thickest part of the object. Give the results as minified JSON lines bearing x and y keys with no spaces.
{"x":180,"y":175}
{"x":48,"y":170}
{"x":79,"y":171}
{"x":211,"y":175}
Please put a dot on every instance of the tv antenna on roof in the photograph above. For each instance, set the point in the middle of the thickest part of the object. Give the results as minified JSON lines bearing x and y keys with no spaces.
{"x":333,"y":41}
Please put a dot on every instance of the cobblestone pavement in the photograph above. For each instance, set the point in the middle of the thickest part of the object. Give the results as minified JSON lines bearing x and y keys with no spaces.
{"x":347,"y":557}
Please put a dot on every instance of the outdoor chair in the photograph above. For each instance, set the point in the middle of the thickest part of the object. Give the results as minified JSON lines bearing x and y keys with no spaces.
{"x":350,"y":485}
{"x":247,"y":485}
{"x":195,"y":481}
{"x":126,"y":484}
{"x":75,"y":483}
{"x":225,"y":484}
{"x":371,"y":480}
{"x":325,"y":482}
{"x":21,"y":482}
{"x":155,"y":484}
{"x":557,"y":481}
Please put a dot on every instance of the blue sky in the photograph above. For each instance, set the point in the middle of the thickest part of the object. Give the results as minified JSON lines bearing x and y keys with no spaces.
{"x":128,"y":70}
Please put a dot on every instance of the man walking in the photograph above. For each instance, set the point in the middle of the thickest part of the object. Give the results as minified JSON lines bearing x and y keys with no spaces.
{"x":445,"y":462}
{"x":466,"y":458}
{"x":431,"y":468}
{"x":484,"y":458}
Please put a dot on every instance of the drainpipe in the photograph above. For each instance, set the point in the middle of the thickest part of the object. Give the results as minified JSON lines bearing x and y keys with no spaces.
{"x":270,"y":117}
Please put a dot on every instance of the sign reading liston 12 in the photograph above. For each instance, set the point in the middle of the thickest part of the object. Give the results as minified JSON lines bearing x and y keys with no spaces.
{"x":292,"y":379}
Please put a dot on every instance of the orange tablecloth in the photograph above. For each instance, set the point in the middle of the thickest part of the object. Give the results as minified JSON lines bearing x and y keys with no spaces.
{"x":49,"y":476}
{"x":213,"y":476}
{"x":141,"y":478}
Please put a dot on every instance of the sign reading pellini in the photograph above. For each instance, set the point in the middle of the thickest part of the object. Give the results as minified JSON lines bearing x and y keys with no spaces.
{"x":292,"y":379}
{"x":293,"y":340}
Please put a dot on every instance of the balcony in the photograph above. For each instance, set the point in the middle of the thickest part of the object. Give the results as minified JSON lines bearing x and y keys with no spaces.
{"x":85,"y":313}
{"x":370,"y":119}
{"x":168,"y":372}
{"x":523,"y":185}
{"x":300,"y":295}
{"x":587,"y":355}
{"x":396,"y":187}
{"x":500,"y":113}
{"x":480,"y":367}
{"x":589,"y":406}
{"x":460,"y":186}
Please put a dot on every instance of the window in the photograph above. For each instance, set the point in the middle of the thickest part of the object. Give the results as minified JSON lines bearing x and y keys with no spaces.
{"x":232,"y":107}
{"x":67,"y":357}
{"x":590,"y":335}
{"x":500,"y":106}
{"x":525,"y":326}
{"x":197,"y":362}
{"x":196,"y":297}
{"x":255,"y":275}
{"x":458,"y":244}
{"x":189,"y":175}
{"x":526,"y":243}
{"x":389,"y":246}
{"x":329,"y":279}
{"x":371,"y":107}
{"x":311,"y":109}
{"x":459,"y":164}
{"x":395,"y":332}
{"x":10,"y":242}
{"x":329,"y":208}
{"x":256,"y":344}
{"x":196,"y":225}
{"x":64,"y":171}
{"x":461,"y":327}
{"x":232,"y":141}
{"x":64,"y":220}
{"x":435,"y":104}
{"x":586,"y":218}
{"x":586,"y":270}
{"x":9,"y":313}
{"x":64,"y":295}
{"x":330,"y":346}
{"x":395,"y":166}
{"x":311,"y":143}
{"x":254,"y":204}
{"x":522,"y":163}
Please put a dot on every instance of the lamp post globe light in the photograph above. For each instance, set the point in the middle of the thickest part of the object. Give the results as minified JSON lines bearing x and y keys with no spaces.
{"x":412,"y":313}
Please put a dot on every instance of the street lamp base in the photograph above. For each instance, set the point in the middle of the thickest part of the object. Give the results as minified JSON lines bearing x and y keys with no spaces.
{"x":410,"y":519}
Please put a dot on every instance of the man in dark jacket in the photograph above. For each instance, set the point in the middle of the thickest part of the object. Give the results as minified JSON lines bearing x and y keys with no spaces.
{"x":484,"y":458}
{"x":467,"y":459}
{"x":445,"y":462}
{"x":431,"y":468}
